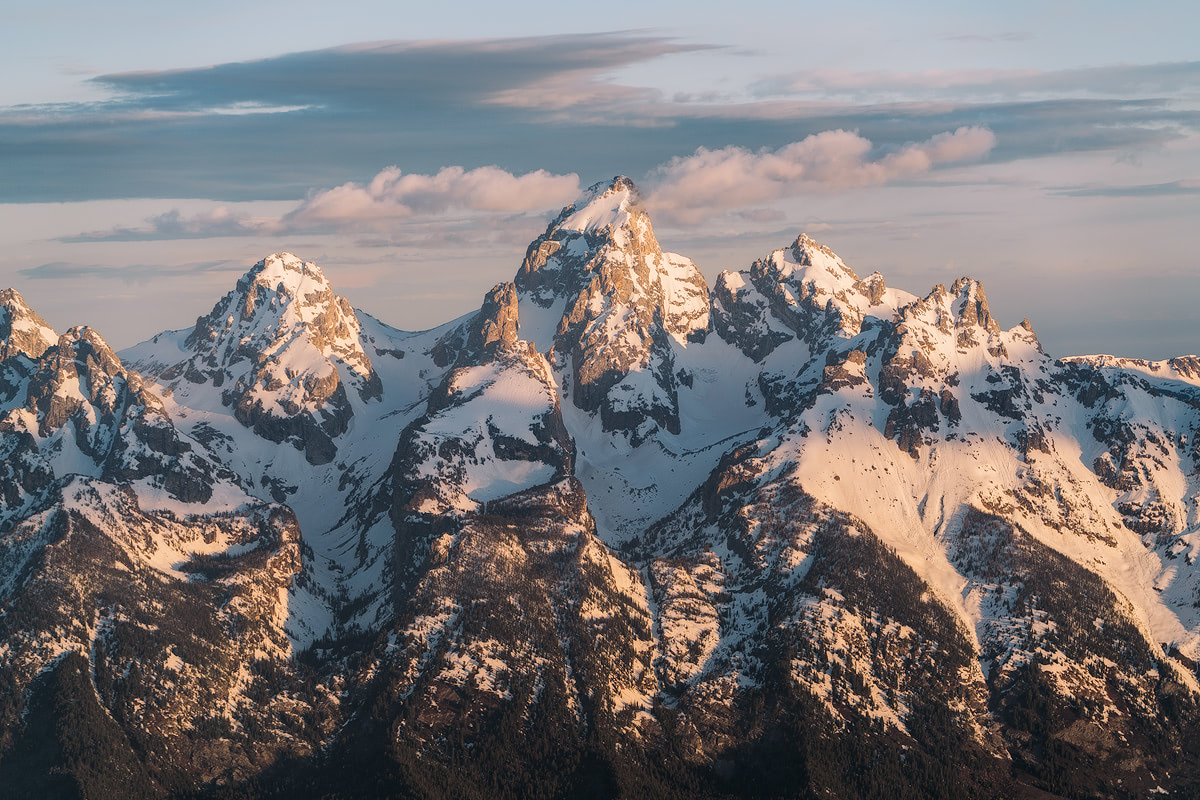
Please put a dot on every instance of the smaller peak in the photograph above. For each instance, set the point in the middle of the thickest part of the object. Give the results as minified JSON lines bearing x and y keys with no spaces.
{"x":814,"y":261}
{"x":971,"y":304}
{"x":808,"y":252}
{"x":966,"y":284}
{"x":85,"y":342}
{"x":14,"y":307}
{"x":283,"y":270}
{"x":495,"y":328}
{"x":873,"y":287}
{"x":607,"y":204}
{"x":11,"y":298}
{"x":81,"y":332}
{"x":85,"y":334}
{"x":807,"y":245}
{"x":21,"y":329}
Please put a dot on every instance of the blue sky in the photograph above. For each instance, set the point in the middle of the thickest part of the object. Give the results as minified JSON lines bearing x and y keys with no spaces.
{"x":149,"y":152}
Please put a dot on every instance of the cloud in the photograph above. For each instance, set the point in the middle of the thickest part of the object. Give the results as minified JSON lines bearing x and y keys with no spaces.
{"x":216,"y":223}
{"x":129,"y":273}
{"x":709,"y":182}
{"x":269,"y":129}
{"x":1006,"y":36}
{"x":410,"y":75}
{"x":975,"y":85}
{"x":390,"y":197}
{"x":683,"y":191}
{"x":393,"y":195}
{"x":1168,"y":189}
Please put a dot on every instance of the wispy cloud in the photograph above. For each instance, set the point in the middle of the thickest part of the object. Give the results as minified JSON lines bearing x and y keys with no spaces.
{"x":1166,"y":189}
{"x":989,"y":38}
{"x":975,"y":85}
{"x":129,"y":273}
{"x":710,"y":182}
{"x":173,"y":224}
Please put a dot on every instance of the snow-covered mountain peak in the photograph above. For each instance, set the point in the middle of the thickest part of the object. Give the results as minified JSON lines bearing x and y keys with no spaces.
{"x":281,"y":351}
{"x":598,"y":290}
{"x":283,"y":289}
{"x":286,"y":273}
{"x":813,"y":273}
{"x":601,"y":251}
{"x":22,"y":330}
{"x":603,"y":205}
{"x":87,"y":342}
{"x":962,"y":310}
{"x":970,"y":304}
{"x":808,"y":252}
{"x":82,"y":374}
{"x":285,"y":311}
{"x":91,"y":357}
{"x":804,"y":292}
{"x":812,"y":266}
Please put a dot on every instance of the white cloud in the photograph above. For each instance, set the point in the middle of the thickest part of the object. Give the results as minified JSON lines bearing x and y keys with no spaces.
{"x":393,"y":195}
{"x":682,"y":191}
{"x":710,"y":182}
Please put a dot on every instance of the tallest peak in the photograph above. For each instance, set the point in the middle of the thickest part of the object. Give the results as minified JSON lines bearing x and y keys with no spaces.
{"x":602,"y":205}
{"x":619,"y":184}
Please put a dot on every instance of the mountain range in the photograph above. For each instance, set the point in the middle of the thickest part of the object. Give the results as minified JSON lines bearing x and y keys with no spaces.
{"x":615,"y":534}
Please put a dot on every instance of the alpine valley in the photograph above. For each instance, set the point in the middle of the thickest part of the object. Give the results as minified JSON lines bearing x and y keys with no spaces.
{"x":616,"y":534}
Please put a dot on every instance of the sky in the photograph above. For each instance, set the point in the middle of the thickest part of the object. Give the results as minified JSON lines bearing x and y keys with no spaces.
{"x":150,"y":153}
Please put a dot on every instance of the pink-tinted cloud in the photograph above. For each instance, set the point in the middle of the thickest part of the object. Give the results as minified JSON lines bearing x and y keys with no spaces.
{"x":393,"y":194}
{"x":710,"y":182}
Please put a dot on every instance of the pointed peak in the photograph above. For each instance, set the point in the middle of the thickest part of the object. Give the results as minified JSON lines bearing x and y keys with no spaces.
{"x":619,"y":184}
{"x":964,"y":304}
{"x":85,"y":341}
{"x":81,"y":353}
{"x":280,"y":284}
{"x":807,"y":251}
{"x":11,"y":299}
{"x":971,"y":304}
{"x":873,"y":287}
{"x":495,"y":328}
{"x":22,"y":330}
{"x":808,"y":261}
{"x":607,"y":204}
{"x":82,"y":333}
{"x":284,"y":273}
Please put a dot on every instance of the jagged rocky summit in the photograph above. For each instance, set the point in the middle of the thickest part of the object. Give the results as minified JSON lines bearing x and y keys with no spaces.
{"x":614,"y":534}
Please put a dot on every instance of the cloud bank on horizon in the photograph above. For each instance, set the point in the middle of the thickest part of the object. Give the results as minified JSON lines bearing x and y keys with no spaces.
{"x":683,"y":192}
